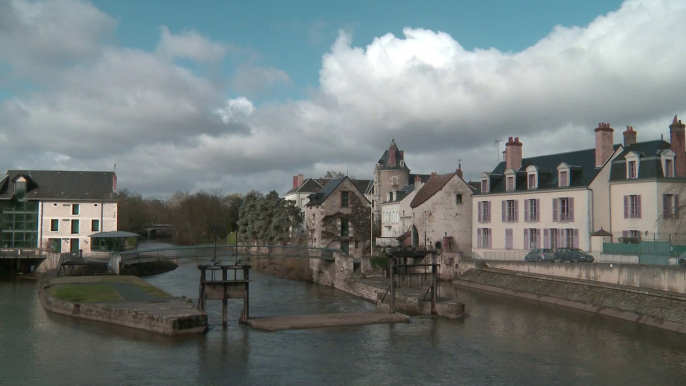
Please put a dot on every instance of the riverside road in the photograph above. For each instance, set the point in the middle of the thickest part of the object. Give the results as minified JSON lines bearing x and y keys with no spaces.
{"x":505,"y":341}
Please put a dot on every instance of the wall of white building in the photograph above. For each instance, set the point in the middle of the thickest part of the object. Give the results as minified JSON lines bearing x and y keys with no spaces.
{"x":104,"y":213}
{"x":652,"y":201}
{"x":581,"y":222}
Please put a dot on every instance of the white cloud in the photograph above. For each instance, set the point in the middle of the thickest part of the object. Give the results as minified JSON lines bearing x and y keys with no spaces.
{"x":170,"y":129}
{"x":191,"y":45}
{"x":255,"y":80}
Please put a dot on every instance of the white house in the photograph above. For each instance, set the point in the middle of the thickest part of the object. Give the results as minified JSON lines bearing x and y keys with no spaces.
{"x":56,"y":210}
{"x":545,"y":201}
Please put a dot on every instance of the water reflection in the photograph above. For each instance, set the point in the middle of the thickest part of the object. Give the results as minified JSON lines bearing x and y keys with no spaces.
{"x":505,"y":341}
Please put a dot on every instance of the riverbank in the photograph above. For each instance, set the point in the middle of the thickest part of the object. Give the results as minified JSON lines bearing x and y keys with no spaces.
{"x":149,"y":268}
{"x":654,"y":308}
{"x":121,"y":300}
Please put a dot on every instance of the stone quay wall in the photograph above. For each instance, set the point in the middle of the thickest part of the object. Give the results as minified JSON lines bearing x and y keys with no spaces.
{"x":650,"y":277}
{"x":653,"y":308}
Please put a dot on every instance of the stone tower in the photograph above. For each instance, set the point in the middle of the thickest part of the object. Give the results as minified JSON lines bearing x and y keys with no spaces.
{"x":390,"y":173}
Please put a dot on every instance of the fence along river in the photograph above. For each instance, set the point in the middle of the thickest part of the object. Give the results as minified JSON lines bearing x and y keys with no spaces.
{"x":505,"y":341}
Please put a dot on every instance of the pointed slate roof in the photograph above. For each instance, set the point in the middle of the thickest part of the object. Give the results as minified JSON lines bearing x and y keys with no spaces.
{"x":384,"y":160}
{"x":310,"y":185}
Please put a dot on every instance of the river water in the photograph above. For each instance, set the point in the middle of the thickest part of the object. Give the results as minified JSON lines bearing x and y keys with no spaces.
{"x":505,"y":341}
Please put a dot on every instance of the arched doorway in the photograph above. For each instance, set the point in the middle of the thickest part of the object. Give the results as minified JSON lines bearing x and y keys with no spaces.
{"x":415,"y":236}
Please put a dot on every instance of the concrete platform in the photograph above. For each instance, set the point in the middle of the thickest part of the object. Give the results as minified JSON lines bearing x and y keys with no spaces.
{"x":294,"y":322}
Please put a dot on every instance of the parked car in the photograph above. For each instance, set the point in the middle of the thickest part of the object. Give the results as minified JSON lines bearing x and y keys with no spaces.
{"x":682,"y":260}
{"x":540,"y":255}
{"x":574,"y":255}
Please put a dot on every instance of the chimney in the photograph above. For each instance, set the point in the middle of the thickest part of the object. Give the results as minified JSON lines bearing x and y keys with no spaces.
{"x":295,"y":182}
{"x":629,"y":136}
{"x":504,"y":155}
{"x":391,"y":155}
{"x":417,"y":182}
{"x":402,"y":154}
{"x":513,"y":154}
{"x":604,"y":138}
{"x":676,"y":137}
{"x":301,"y":179}
{"x":459,"y":170}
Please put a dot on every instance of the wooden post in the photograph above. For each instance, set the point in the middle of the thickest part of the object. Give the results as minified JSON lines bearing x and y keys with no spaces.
{"x":392,"y":269}
{"x":433,"y":284}
{"x":201,"y":290}
{"x":226,"y":295}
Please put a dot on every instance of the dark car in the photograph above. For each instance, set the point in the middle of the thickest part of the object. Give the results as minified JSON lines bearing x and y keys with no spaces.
{"x":540,"y":255}
{"x":574,"y":255}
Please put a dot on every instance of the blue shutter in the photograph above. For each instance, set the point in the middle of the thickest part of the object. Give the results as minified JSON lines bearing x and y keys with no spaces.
{"x":546,"y":239}
{"x":526,"y":239}
{"x":526,"y":210}
{"x":571,"y":208}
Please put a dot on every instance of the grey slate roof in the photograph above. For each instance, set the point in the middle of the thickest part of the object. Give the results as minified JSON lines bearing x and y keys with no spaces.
{"x":310,"y":185}
{"x":60,"y":185}
{"x":386,"y":155}
{"x":650,"y":162}
{"x":581,"y":162}
{"x":325,"y":192}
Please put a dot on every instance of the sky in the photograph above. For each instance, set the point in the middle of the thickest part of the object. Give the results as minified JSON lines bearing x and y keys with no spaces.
{"x":233,"y":96}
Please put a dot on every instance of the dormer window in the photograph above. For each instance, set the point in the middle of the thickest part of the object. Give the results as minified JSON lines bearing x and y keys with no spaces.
{"x":669,"y":168}
{"x":532,"y":177}
{"x":631,"y":169}
{"x":563,"y":174}
{"x":667,"y":158}
{"x":510,"y":180}
{"x":20,"y":188}
{"x":485,"y":182}
{"x":632,"y":165}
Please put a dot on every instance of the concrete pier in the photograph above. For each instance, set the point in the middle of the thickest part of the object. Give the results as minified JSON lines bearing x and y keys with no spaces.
{"x":294,"y":322}
{"x":131,"y":303}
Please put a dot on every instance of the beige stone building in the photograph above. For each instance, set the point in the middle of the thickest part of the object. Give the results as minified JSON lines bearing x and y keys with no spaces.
{"x":442,"y":214}
{"x":338,"y":217}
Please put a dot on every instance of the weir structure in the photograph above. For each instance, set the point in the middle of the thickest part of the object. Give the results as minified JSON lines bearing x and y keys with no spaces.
{"x":400,"y":269}
{"x":223,"y":283}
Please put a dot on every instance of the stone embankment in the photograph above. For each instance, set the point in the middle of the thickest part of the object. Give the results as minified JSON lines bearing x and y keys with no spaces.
{"x":666,"y":310}
{"x":127,"y":303}
{"x":340,"y":274}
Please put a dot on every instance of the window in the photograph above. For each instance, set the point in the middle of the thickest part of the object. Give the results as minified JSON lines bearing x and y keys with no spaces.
{"x":484,"y":186}
{"x":344,"y":227}
{"x":75,"y":209}
{"x":531,"y":238}
{"x":564,"y":181}
{"x":563,"y":209}
{"x":510,"y":210}
{"x":532,"y":181}
{"x":510,"y":183}
{"x":74,"y":227}
{"x":345,"y":247}
{"x":344,"y":199}
{"x":531,"y":210}
{"x":632,"y":206}
{"x":484,"y":211}
{"x":670,"y":205}
{"x":554,"y":237}
{"x":95,"y":225}
{"x":569,"y":238}
{"x":483,"y":237}
{"x":669,"y":168}
{"x":54,"y":225}
{"x":631,"y":170}
{"x":458,"y":199}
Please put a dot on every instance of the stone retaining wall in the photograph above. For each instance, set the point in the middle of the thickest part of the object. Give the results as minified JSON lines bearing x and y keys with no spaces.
{"x":655,"y":309}
{"x":654,"y":277}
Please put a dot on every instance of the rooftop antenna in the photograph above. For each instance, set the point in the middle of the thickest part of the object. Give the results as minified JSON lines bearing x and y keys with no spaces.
{"x":497,"y":155}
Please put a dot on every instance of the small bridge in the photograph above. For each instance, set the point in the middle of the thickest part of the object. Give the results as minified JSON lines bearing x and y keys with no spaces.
{"x":152,"y":229}
{"x":233,"y":253}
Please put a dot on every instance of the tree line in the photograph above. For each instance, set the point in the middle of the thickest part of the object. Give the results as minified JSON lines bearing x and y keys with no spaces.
{"x":199,"y":218}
